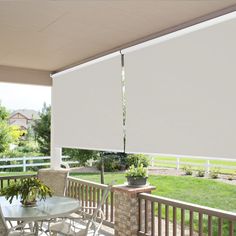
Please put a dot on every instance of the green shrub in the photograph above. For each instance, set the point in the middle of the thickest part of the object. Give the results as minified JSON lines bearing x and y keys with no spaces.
{"x":230,"y":177}
{"x":111,"y":163}
{"x":135,"y":159}
{"x":188,"y":170}
{"x":214,"y":173}
{"x":200,"y":173}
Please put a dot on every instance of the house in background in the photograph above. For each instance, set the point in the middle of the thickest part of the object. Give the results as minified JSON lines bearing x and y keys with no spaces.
{"x":23,"y":118}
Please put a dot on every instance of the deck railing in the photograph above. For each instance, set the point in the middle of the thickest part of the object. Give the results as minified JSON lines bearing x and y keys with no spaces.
{"x":160,"y":216}
{"x":90,"y":193}
{"x":157,"y":215}
{"x":7,"y":180}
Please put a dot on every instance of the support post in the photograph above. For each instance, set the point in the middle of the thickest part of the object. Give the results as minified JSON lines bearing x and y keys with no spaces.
{"x":177,"y":163}
{"x":56,"y":152}
{"x":208,"y":166}
{"x":127,"y":209}
{"x":152,"y":161}
{"x":24,"y":164}
{"x":56,"y":158}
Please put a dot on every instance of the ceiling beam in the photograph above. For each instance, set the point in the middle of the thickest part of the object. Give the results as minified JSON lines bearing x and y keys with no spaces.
{"x":25,"y":76}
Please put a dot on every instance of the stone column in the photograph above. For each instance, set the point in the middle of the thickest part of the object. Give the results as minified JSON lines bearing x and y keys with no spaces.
{"x":127,"y":209}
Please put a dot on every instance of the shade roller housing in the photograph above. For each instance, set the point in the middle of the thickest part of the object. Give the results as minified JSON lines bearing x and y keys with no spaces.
{"x":87,"y":106}
{"x":181,"y":93}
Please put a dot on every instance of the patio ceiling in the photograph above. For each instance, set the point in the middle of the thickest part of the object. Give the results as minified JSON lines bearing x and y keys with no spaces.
{"x":52,"y":35}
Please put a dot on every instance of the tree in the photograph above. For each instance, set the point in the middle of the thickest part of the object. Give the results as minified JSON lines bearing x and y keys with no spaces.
{"x":3,"y":113}
{"x":8,"y":134}
{"x":42,"y":129}
{"x":80,"y":155}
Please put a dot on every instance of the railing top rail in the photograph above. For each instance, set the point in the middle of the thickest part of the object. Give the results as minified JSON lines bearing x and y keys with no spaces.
{"x":189,"y":206}
{"x":17,"y":176}
{"x":194,"y":157}
{"x":24,"y":158}
{"x":86,"y":182}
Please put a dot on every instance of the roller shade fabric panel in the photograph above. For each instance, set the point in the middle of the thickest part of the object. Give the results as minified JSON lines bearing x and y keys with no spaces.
{"x":181,"y":94}
{"x":87,"y":106}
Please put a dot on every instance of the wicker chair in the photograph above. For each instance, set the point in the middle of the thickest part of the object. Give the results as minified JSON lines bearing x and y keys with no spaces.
{"x":56,"y":180}
{"x":68,"y":226}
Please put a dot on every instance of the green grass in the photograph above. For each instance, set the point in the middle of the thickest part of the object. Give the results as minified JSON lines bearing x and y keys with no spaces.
{"x":190,"y":189}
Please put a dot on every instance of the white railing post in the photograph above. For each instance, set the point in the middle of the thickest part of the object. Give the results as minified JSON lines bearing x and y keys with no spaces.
{"x":56,"y":158}
{"x":177,"y":163}
{"x":208,"y":166}
{"x":152,"y":161}
{"x":24,"y":164}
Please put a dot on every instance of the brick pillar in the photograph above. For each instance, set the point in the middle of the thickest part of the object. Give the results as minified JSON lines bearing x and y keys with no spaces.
{"x":127,"y":209}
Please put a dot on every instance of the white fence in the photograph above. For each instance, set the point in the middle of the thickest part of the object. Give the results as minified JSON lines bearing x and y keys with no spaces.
{"x":24,"y":162}
{"x":206,"y":164}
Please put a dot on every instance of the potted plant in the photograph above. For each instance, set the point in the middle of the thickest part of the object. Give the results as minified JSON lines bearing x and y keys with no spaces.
{"x":28,"y":189}
{"x":137,"y":176}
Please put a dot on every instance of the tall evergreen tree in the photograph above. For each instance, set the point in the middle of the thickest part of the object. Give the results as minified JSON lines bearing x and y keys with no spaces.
{"x":42,"y":129}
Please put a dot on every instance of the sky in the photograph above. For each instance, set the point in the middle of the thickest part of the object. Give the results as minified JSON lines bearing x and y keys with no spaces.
{"x":19,"y":96}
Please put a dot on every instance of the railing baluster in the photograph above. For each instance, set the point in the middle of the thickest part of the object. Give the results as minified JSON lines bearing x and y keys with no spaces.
{"x":107,"y":207}
{"x":182,"y":222}
{"x":159,"y":220}
{"x":140,"y":214}
{"x":72,"y":189}
{"x":146,"y":216}
{"x":82,"y":195}
{"x":86,"y":196}
{"x":90,"y":199}
{"x":153,"y":218}
{"x":191,"y":226}
{"x":68,"y":189}
{"x":166,"y":220}
{"x":94,"y":198}
{"x":98,"y":197}
{"x":174,"y":222}
{"x":200,"y":227}
{"x":231,"y":228}
{"x":220,"y":221}
{"x":112,"y":206}
{"x":103,"y":203}
{"x":79,"y":191}
{"x":209,"y":226}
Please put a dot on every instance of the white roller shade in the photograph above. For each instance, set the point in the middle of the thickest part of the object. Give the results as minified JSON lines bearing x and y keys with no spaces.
{"x":87,"y":106}
{"x":181,"y":93}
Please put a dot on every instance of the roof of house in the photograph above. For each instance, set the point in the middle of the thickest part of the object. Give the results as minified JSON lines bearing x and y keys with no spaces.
{"x":29,"y":114}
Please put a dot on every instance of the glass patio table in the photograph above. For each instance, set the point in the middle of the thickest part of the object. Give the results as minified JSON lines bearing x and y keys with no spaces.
{"x":52,"y":207}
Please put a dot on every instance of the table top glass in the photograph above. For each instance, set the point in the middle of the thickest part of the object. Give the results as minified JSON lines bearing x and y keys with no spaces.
{"x":50,"y":208}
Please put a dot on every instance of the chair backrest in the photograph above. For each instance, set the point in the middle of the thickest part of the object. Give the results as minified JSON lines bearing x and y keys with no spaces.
{"x":56,"y":180}
{"x":3,"y":224}
{"x":95,"y":215}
